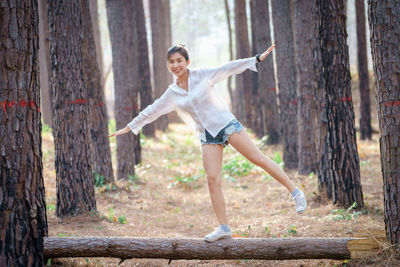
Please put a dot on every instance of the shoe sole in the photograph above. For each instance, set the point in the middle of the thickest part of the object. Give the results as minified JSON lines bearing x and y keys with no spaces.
{"x":222,"y":237}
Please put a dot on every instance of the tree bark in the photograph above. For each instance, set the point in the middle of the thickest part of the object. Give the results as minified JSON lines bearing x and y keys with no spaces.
{"x":307,"y":79}
{"x":22,"y":194}
{"x":228,"y":21}
{"x":96,"y":36}
{"x":242,"y":104}
{"x":363,"y":77}
{"x":195,"y":248}
{"x":145,"y":92}
{"x":98,"y":122}
{"x":341,"y":143}
{"x":72,"y":142}
{"x":384,"y":23}
{"x":266,"y":116}
{"x":159,"y":48}
{"x":122,"y":25}
{"x":286,"y":74}
{"x":44,"y":61}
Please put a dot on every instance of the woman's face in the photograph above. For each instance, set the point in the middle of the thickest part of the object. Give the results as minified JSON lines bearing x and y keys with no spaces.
{"x":177,"y":64}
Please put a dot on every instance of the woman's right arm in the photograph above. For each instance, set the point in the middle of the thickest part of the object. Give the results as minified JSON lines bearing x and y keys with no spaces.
{"x":162,"y":105}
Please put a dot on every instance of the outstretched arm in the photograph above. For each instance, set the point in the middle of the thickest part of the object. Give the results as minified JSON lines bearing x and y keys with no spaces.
{"x":161,"y":106}
{"x":234,"y":67}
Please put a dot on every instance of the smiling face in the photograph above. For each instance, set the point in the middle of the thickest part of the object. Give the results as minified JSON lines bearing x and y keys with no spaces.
{"x":177,"y":64}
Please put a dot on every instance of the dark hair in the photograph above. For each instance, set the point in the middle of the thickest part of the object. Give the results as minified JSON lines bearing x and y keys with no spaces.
{"x":178,"y":48}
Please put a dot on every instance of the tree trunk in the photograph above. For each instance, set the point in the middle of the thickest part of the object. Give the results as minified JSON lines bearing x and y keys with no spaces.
{"x":146,"y":97}
{"x":122,"y":25}
{"x":75,"y":191}
{"x":98,"y":122}
{"x":266,"y":117}
{"x":22,"y":195}
{"x":96,"y":36}
{"x":363,"y":77}
{"x":384,"y":23}
{"x":44,"y":61}
{"x":159,"y":48}
{"x":307,"y":79}
{"x":228,"y":21}
{"x":195,"y":248}
{"x":341,"y":135}
{"x":286,"y":74}
{"x":242,"y":104}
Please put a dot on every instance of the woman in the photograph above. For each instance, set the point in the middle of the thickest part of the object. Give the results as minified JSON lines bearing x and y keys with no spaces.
{"x":216,"y":127}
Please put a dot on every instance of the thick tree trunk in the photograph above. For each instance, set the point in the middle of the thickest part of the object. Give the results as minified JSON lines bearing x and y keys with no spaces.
{"x":145,"y":92}
{"x":286,"y":74}
{"x":266,"y":116}
{"x":122,"y":25}
{"x":341,"y":143}
{"x":98,"y":122}
{"x":44,"y":61}
{"x":195,"y":248}
{"x":22,"y":195}
{"x":75,"y":190}
{"x":363,"y":77}
{"x":159,"y":48}
{"x":307,"y":74}
{"x":384,"y":23}
{"x":242,"y":104}
{"x":228,"y":21}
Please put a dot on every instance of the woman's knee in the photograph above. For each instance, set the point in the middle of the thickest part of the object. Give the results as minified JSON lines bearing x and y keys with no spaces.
{"x":214,"y":181}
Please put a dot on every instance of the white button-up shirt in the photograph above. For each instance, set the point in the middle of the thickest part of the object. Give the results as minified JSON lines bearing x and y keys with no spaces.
{"x":206,"y":109}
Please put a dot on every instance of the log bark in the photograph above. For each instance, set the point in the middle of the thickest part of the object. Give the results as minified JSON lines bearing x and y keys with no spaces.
{"x":196,"y":248}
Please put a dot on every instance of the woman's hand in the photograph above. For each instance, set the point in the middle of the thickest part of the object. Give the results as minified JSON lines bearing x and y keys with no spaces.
{"x":122,"y":131}
{"x":265,"y":54}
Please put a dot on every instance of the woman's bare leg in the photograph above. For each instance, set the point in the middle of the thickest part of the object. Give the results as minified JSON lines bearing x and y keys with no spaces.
{"x":241,"y":142}
{"x":212,"y":161}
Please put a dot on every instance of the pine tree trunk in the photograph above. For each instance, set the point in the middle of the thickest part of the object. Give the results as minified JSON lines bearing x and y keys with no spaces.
{"x":286,"y":74}
{"x":122,"y":25}
{"x":266,"y":116}
{"x":98,"y":122}
{"x":75,"y":190}
{"x":158,"y":42}
{"x":384,"y":23}
{"x":365,"y":109}
{"x":96,"y":36}
{"x":228,"y":21}
{"x":307,"y":79}
{"x":22,"y":195}
{"x":145,"y":92}
{"x":44,"y":61}
{"x":242,"y":104}
{"x":343,"y":158}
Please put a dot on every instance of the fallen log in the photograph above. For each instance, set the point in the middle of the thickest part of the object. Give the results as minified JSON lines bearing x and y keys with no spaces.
{"x":196,"y":248}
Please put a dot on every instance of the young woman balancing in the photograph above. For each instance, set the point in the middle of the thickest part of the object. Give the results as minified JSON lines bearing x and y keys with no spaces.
{"x":216,"y":127}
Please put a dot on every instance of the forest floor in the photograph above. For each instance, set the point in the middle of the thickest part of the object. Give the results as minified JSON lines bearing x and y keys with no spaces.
{"x":168,"y":197}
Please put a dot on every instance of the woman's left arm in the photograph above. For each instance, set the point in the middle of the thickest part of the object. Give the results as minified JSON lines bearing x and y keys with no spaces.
{"x":234,"y":67}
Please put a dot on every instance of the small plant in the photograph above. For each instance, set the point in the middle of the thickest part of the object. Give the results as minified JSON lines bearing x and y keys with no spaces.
{"x":278,"y":160}
{"x":133,"y":178}
{"x":185,"y":181}
{"x":292,"y":230}
{"x":345,"y":214}
{"x":46,"y":128}
{"x":238,"y":166}
{"x":122,"y":219}
{"x":51,"y":207}
{"x":98,"y":179}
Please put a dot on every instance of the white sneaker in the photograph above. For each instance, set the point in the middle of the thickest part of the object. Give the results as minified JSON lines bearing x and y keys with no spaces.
{"x":217,"y":234}
{"x":301,"y":202}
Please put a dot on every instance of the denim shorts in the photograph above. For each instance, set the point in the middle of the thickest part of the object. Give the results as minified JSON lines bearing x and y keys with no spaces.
{"x":222,"y":137}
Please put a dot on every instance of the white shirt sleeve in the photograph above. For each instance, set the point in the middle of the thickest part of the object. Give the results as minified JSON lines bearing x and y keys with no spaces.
{"x":233,"y":67}
{"x":162,"y":105}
